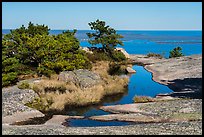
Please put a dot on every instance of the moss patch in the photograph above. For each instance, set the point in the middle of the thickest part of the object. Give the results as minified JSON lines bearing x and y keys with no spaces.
{"x":186,"y":116}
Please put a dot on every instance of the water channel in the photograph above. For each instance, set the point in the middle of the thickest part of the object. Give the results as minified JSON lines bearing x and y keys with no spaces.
{"x":140,"y":84}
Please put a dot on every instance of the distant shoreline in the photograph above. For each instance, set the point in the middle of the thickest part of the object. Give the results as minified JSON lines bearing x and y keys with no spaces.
{"x":117,"y":30}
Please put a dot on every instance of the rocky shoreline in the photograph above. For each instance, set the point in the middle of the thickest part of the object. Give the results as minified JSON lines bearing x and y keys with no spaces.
{"x":177,"y":128}
{"x":180,"y":116}
{"x":183,"y":75}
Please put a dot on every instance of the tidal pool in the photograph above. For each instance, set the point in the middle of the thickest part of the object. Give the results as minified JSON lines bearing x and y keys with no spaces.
{"x":140,"y":84}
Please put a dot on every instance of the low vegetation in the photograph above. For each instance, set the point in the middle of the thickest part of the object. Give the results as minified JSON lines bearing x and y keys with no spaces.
{"x":41,"y":104}
{"x":100,"y":55}
{"x":32,"y":50}
{"x":63,"y":94}
{"x":24,"y":85}
{"x":142,"y":99}
{"x":176,"y":52}
{"x":116,"y":68}
{"x":160,"y":56}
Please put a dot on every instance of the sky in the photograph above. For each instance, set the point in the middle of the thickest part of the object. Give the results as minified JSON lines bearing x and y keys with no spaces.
{"x":119,"y":15}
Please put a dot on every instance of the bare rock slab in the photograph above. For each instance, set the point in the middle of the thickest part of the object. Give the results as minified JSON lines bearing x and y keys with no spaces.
{"x":137,"y":117}
{"x":130,"y":70}
{"x":123,"y":51}
{"x":82,"y":77}
{"x":21,"y":116}
{"x":59,"y":119}
{"x":127,"y":108}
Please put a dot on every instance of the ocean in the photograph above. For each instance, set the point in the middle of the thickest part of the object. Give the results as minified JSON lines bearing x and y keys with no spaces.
{"x":144,"y":42}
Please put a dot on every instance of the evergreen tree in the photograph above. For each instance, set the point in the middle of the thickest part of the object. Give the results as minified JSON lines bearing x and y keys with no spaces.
{"x":104,"y":35}
{"x":176,"y":52}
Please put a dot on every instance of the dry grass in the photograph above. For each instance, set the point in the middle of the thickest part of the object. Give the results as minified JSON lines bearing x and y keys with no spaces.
{"x":116,"y":85}
{"x":77,"y":98}
{"x":143,"y":99}
{"x":112,"y":84}
{"x":73,"y":95}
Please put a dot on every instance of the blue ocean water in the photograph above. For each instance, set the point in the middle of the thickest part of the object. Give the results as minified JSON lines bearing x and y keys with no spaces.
{"x":161,"y":42}
{"x":144,"y":42}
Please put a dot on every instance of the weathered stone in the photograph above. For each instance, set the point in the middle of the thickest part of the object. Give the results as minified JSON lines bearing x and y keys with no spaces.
{"x":186,"y":110}
{"x":82,"y":77}
{"x":59,"y":119}
{"x":124,"y":52}
{"x":67,"y":76}
{"x":158,"y":98}
{"x":13,"y":100}
{"x":126,"y":108}
{"x":86,"y":49}
{"x":181,"y":117}
{"x":143,"y":59}
{"x":182,"y":74}
{"x":137,"y":117}
{"x":21,"y":116}
{"x":86,"y":78}
{"x":130,"y":70}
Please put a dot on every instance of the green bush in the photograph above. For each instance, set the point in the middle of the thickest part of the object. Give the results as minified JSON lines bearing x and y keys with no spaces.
{"x":115,"y":69}
{"x":101,"y":55}
{"x":176,"y":52}
{"x":9,"y":78}
{"x":118,"y":56}
{"x":40,"y":104}
{"x":33,"y":50}
{"x":23,"y":85}
{"x":98,"y":56}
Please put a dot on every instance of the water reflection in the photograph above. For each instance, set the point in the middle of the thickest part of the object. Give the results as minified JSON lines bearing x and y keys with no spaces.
{"x":94,"y":109}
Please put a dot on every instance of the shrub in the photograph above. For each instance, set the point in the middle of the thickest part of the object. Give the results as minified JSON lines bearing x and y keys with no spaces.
{"x":32,"y":49}
{"x":100,"y":55}
{"x":115,"y":69}
{"x":10,"y":70}
{"x":118,"y":56}
{"x":9,"y":78}
{"x":40,"y":104}
{"x":176,"y":52}
{"x":155,"y":55}
{"x":24,"y":85}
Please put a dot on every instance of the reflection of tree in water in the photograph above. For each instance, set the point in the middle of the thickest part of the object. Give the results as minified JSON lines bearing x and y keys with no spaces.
{"x":80,"y":110}
{"x":114,"y":98}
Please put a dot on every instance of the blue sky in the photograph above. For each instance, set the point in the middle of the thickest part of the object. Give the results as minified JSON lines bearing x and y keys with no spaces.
{"x":119,"y":15}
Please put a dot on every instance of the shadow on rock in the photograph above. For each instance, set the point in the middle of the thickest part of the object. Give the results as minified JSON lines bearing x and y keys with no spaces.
{"x":186,"y":88}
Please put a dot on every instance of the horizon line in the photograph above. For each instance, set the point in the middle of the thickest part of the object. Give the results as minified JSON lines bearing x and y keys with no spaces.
{"x":132,"y":29}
